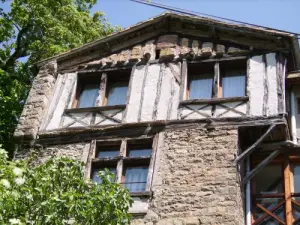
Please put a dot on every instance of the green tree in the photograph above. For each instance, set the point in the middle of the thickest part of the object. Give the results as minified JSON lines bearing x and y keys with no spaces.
{"x":37,"y":29}
{"x":55,"y":192}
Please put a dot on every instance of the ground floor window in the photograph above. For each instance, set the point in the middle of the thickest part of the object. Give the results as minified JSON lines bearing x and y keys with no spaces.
{"x":129,"y":160}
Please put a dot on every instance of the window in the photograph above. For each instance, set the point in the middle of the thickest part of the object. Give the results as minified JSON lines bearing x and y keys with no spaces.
{"x":129,"y":160}
{"x":233,"y":79}
{"x":110,"y":88}
{"x":274,"y":188}
{"x":201,"y":82}
{"x":87,"y":91}
{"x":298,"y":105}
{"x":208,"y":80}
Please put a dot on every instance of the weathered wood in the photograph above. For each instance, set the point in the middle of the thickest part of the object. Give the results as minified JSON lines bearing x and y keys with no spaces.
{"x":95,"y":109}
{"x":270,"y":214}
{"x":287,"y":187}
{"x":213,"y":101}
{"x":183,"y":84}
{"x":79,"y":134}
{"x":141,"y":194}
{"x":175,"y":74}
{"x":102,"y":90}
{"x":232,"y":109}
{"x":109,"y":117}
{"x":225,"y":58}
{"x":260,"y":166}
{"x":249,"y":150}
{"x":265,"y":85}
{"x":75,"y":119}
{"x":197,"y":111}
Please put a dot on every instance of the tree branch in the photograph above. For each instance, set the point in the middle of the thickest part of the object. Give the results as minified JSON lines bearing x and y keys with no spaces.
{"x":20,"y":49}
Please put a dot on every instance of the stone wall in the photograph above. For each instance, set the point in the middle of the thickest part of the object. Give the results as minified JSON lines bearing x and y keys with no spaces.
{"x":195,"y":180}
{"x":37,"y":102}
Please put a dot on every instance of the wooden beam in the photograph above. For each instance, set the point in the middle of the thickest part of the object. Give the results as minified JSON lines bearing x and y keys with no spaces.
{"x":260,"y":166}
{"x":213,"y":101}
{"x":95,"y":109}
{"x":249,"y":150}
{"x":287,"y":193}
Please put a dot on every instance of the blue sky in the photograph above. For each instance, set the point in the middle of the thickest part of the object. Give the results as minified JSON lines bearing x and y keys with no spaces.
{"x":280,"y":14}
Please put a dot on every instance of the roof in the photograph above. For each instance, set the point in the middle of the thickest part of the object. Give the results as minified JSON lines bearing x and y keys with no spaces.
{"x":186,"y":18}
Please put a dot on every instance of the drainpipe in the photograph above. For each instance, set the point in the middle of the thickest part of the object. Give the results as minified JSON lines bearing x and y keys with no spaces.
{"x":248,"y":195}
{"x":293,"y":117}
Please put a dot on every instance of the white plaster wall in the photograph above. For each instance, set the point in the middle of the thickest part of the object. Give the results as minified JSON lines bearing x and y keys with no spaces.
{"x":57,"y":92}
{"x":107,"y":121}
{"x":175,"y":93}
{"x":255,"y":87}
{"x":165,"y":95}
{"x":272,"y":107}
{"x":149,"y":92}
{"x":193,"y":115}
{"x":241,"y":108}
{"x":84,"y":117}
{"x":61,"y":100}
{"x":135,"y":95}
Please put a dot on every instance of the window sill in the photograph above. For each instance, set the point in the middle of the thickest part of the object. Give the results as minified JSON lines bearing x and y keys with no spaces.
{"x":95,"y":109}
{"x":141,"y":194}
{"x":213,"y":101}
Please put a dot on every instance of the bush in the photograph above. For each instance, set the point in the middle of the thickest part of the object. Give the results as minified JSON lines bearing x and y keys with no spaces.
{"x":56,"y":192}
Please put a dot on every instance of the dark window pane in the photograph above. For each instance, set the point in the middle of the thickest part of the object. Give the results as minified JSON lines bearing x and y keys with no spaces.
{"x":96,"y":178}
{"x":117,"y":93}
{"x":296,"y":212}
{"x":108,"y":153}
{"x":269,"y":180}
{"x":201,"y":86}
{"x":88,"y":95}
{"x":234,"y":83}
{"x":139,"y":152}
{"x":136,"y":178}
{"x":296,"y":174}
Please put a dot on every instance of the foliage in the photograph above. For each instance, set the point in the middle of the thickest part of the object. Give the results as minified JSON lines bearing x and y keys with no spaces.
{"x":56,"y":193}
{"x":37,"y":29}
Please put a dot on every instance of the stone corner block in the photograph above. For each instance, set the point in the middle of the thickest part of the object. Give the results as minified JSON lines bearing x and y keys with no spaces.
{"x":167,"y":41}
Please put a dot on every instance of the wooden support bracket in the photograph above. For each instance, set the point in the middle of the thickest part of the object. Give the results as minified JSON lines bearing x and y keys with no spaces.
{"x":249,"y":150}
{"x":260,"y":166}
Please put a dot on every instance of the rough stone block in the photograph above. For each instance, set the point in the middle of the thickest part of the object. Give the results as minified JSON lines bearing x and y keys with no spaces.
{"x":124,"y":56}
{"x":114,"y":58}
{"x":207,"y":49}
{"x":233,"y":51}
{"x":184,"y":48}
{"x":167,"y":41}
{"x":136,"y":53}
{"x":195,"y":47}
{"x":220,"y":51}
{"x":167,"y":54}
{"x":149,"y":50}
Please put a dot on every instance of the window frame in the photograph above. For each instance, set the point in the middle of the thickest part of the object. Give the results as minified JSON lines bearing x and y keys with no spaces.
{"x":287,"y":161}
{"x":104,"y":78}
{"x":217,"y":86}
{"x":122,"y":161}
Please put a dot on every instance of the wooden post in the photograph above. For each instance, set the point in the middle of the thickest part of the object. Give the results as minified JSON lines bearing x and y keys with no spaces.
{"x":287,"y":195}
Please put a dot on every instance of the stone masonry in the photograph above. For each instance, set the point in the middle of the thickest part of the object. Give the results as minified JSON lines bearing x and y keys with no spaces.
{"x":37,"y":102}
{"x":195,"y":180}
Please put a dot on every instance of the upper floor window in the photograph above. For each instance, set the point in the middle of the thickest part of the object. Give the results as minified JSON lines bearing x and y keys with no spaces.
{"x":216,"y":80}
{"x":233,"y":79}
{"x":102,"y":89}
{"x":128,"y":160}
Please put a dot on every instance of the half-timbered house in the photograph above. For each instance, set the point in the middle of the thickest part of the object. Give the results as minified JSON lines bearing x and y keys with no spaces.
{"x":198,"y":118}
